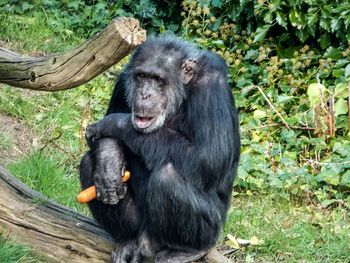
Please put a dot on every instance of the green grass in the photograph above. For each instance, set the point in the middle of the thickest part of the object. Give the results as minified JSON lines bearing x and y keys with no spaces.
{"x":291,"y":231}
{"x":37,"y":32}
{"x":50,"y":175}
{"x":12,"y":252}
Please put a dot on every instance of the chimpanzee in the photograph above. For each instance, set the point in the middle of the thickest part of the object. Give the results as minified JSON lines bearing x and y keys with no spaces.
{"x":172,"y":122}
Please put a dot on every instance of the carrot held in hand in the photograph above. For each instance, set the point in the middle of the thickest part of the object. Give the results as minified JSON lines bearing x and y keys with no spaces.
{"x":89,"y":194}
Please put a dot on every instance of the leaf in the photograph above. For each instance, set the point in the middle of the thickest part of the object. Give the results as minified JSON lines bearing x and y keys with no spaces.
{"x":338,"y":73}
{"x":345,"y":180}
{"x":294,"y":17}
{"x":302,"y":34}
{"x":333,"y":53}
{"x":283,"y":98}
{"x":312,"y":19}
{"x":324,"y":41}
{"x":347,"y":70}
{"x":340,"y":107}
{"x":341,"y":63}
{"x":219,"y":43}
{"x":268,"y":18}
{"x":324,"y":23}
{"x":251,"y":54}
{"x":281,"y":19}
{"x":254,"y":241}
{"x":217,"y":23}
{"x":259,"y":114}
{"x":232,"y":242}
{"x":216,"y":3}
{"x":330,"y":174}
{"x":328,"y":202}
{"x":341,"y":90}
{"x":26,"y":6}
{"x":335,"y":24}
{"x":314,"y":92}
{"x":173,"y":27}
{"x":261,"y":33}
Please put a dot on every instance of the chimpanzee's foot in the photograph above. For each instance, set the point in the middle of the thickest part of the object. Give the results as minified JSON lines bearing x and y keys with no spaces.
{"x":148,"y":247}
{"x":128,"y":252}
{"x":174,"y":256}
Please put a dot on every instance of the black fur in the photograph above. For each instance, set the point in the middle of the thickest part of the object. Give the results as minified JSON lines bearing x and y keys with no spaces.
{"x":182,"y":173}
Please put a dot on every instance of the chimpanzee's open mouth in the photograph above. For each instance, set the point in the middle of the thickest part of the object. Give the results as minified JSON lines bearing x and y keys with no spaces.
{"x":143,"y":122}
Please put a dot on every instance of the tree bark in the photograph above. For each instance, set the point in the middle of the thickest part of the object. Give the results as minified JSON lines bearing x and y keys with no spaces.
{"x":54,"y":231}
{"x":75,"y":67}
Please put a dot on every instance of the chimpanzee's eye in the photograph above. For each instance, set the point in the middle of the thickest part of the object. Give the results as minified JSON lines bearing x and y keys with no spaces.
{"x":141,"y":75}
{"x":158,"y":80}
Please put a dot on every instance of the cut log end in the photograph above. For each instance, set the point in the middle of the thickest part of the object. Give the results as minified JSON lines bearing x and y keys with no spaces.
{"x":133,"y":34}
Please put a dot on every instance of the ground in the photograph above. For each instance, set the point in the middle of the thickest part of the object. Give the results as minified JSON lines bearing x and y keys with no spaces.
{"x":16,"y":139}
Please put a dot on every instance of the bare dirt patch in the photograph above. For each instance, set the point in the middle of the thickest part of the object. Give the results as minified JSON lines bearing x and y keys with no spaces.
{"x":16,"y":139}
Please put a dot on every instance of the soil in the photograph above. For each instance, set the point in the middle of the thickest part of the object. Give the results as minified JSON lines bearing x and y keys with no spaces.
{"x":17,"y":138}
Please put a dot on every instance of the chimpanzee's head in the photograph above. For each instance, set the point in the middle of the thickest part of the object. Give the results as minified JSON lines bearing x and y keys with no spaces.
{"x":158,"y":73}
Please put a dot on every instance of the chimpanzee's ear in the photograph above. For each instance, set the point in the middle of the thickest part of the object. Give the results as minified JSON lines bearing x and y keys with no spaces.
{"x":188,"y":68}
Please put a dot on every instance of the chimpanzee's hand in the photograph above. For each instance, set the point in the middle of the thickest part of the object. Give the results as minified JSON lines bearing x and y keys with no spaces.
{"x":92,"y":134}
{"x":109,"y":126}
{"x":109,"y":169}
{"x":110,"y":190}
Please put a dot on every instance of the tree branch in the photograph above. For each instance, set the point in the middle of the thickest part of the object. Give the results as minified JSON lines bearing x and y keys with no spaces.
{"x":75,"y":67}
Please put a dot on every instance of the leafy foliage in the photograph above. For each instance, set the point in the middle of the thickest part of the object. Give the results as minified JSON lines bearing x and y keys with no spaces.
{"x":89,"y":17}
{"x":292,"y":96}
{"x":291,"y":22}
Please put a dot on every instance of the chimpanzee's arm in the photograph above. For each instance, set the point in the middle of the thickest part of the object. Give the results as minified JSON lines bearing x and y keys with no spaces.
{"x":156,"y":148}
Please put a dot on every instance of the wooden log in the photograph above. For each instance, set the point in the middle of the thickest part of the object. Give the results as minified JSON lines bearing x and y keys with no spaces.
{"x":75,"y":67}
{"x":54,"y":231}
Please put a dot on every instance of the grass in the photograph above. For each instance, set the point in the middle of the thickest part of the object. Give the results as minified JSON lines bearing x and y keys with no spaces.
{"x":36,"y":32}
{"x":291,"y":230}
{"x":50,"y":175}
{"x":12,"y":252}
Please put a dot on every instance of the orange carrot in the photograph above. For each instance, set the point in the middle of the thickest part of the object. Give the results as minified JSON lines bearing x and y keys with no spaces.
{"x":89,"y":194}
{"x":126,"y":176}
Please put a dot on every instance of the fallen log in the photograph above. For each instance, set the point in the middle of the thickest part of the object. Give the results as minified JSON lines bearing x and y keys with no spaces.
{"x":75,"y":67}
{"x":54,"y":231}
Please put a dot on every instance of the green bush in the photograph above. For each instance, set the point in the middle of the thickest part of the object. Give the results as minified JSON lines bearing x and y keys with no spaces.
{"x":291,"y":90}
{"x":293,"y":22}
{"x":88,"y":17}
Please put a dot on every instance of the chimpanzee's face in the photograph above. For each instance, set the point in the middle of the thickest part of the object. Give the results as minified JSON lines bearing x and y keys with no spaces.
{"x":150,"y":99}
{"x":156,"y":90}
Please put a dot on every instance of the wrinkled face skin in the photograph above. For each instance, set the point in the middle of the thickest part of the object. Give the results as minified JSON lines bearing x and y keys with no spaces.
{"x":149,"y":107}
{"x":158,"y":75}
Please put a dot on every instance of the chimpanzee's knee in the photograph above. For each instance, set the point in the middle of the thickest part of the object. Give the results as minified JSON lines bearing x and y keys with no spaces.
{"x":181,"y":216}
